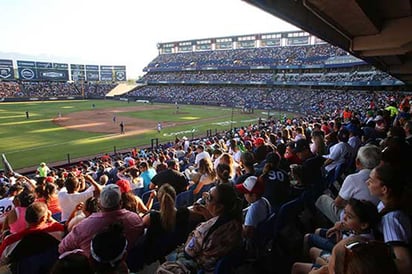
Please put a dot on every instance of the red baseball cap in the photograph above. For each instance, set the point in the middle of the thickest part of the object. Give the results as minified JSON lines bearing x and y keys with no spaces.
{"x":251,"y":185}
{"x":124,"y":186}
{"x":259,"y":141}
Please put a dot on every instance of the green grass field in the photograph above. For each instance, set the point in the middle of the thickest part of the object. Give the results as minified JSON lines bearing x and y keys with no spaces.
{"x":27,"y":142}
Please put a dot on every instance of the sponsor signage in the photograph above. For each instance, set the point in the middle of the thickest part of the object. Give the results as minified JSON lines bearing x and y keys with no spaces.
{"x":119,"y":73}
{"x":28,"y":73}
{"x":34,"y":71}
{"x":77,"y":72}
{"x":31,"y":71}
{"x":53,"y":75}
{"x":92,"y":73}
{"x":26,"y":64}
{"x":6,"y":70}
{"x":106,"y":75}
{"x":52,"y":71}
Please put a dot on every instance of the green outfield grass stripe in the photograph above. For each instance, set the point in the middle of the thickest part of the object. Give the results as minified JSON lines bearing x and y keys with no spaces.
{"x":28,"y":142}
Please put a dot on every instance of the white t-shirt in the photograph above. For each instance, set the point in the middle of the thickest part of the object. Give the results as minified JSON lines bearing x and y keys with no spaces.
{"x":355,"y":186}
{"x":200,"y":156}
{"x":68,"y":201}
{"x":339,"y":153}
{"x":6,"y":204}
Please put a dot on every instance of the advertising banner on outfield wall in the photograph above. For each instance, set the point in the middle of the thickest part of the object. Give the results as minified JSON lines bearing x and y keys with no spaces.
{"x":6,"y":70}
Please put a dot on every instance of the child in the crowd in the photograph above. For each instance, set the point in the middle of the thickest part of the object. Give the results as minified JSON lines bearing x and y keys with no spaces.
{"x":360,"y":218}
{"x":258,"y":211}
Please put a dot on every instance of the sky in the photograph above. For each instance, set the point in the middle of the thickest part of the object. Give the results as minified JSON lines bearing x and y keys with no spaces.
{"x":121,"y":32}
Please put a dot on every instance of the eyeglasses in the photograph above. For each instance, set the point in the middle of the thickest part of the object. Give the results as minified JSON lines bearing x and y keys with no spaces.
{"x":208,"y":197}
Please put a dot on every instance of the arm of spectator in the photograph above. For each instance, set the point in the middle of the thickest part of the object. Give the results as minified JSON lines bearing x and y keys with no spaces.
{"x":24,"y":179}
{"x":141,"y":207}
{"x":328,"y":161}
{"x":70,"y":242}
{"x":82,"y":183}
{"x":78,"y":207}
{"x":97,"y":187}
{"x":336,"y":230}
{"x":121,"y":176}
{"x":322,"y":270}
{"x":10,"y":218}
{"x":248,"y":231}
{"x":152,"y":186}
{"x":202,"y":210}
{"x":403,"y":259}
{"x":340,"y":202}
{"x":149,"y":203}
{"x":146,"y":221}
{"x":201,"y":184}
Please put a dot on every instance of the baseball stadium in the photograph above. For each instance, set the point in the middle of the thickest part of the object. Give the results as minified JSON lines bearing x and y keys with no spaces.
{"x":279,"y":152}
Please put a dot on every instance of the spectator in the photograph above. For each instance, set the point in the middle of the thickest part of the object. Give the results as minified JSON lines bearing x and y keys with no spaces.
{"x":15,"y":221}
{"x":258,"y":211}
{"x":218,"y":236}
{"x":354,"y":185}
{"x":38,"y":220}
{"x":170,"y":176}
{"x":385,"y":182}
{"x":111,"y":212}
{"x":108,"y":250}
{"x":70,"y":195}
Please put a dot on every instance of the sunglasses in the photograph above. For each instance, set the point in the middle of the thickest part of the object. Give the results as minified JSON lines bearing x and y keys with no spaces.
{"x":208,"y":197}
{"x":356,"y":248}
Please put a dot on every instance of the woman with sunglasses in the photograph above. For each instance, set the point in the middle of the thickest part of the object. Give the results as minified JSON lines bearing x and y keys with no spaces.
{"x":218,"y":236}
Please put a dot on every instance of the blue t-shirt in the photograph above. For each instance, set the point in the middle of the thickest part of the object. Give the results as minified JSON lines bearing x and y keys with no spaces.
{"x":257,"y":212}
{"x":147,"y":178}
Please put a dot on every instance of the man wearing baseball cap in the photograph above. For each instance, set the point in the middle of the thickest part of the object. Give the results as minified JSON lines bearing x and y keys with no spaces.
{"x":259,"y":209}
{"x":111,"y":212}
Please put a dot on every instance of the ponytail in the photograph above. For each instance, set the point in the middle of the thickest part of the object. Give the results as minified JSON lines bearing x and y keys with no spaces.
{"x":167,"y":196}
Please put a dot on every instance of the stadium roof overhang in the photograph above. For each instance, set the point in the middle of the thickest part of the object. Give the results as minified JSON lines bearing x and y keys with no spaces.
{"x":378,"y":31}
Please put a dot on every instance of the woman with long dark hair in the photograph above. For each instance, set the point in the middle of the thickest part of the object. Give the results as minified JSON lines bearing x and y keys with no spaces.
{"x":219,"y":235}
{"x":387,"y":183}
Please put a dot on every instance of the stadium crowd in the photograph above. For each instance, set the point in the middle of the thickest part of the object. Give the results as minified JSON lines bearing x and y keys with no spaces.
{"x":343,"y":170}
{"x":324,"y":192}
{"x":24,"y":89}
{"x":296,"y":55}
{"x":265,"y":75}
{"x":300,"y":100}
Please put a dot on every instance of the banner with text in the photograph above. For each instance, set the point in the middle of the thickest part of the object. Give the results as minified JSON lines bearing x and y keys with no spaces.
{"x":92,"y":73}
{"x":78,"y":73}
{"x":30,"y":70}
{"x":6,"y":70}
